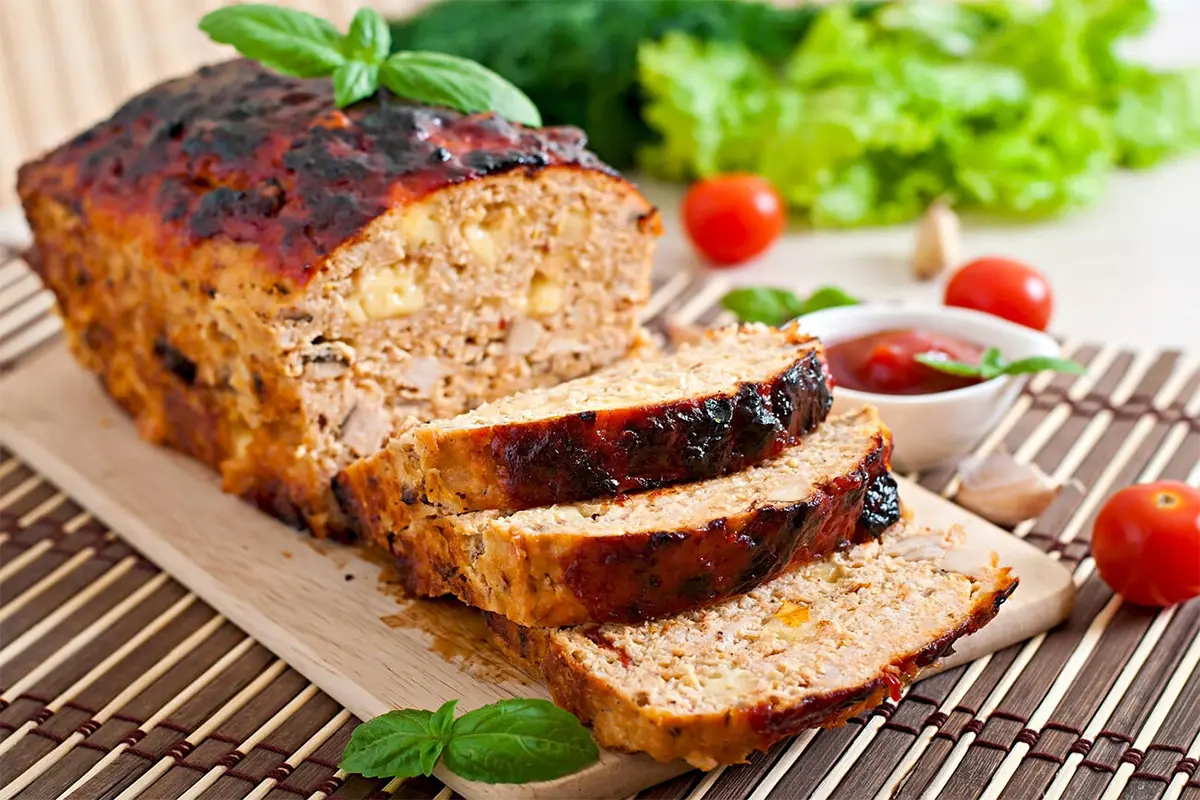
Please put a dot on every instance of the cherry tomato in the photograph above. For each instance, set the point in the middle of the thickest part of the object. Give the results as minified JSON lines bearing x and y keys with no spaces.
{"x":1004,"y":288}
{"x":1146,"y":542}
{"x":732,"y":218}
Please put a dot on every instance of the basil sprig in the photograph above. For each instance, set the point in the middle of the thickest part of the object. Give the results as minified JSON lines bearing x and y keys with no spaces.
{"x":991,"y":365}
{"x":772,"y":306}
{"x":511,"y":741}
{"x":303,"y":45}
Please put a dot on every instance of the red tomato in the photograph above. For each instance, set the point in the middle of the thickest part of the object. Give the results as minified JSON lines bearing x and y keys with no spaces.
{"x":1146,"y":542}
{"x":1004,"y":288}
{"x":732,"y":218}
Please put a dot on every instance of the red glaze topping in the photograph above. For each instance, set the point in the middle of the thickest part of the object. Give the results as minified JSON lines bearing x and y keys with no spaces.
{"x":894,"y":686}
{"x":641,"y":576}
{"x":597,"y":454}
{"x":883,"y":362}
{"x":240,"y":152}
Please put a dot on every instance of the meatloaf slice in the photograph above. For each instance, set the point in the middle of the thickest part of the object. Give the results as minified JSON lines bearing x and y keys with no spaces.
{"x":657,"y":553}
{"x":738,"y":397}
{"x":810,"y":649}
{"x":273,"y":285}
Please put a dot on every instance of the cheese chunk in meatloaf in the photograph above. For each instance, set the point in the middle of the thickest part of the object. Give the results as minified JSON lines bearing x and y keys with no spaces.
{"x":809,"y":649}
{"x":272,"y":285}
{"x":656,"y":553}
{"x":738,"y":396}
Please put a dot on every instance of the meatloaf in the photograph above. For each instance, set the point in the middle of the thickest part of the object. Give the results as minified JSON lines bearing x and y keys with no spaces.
{"x":273,"y":285}
{"x":728,"y":402}
{"x":657,"y":553}
{"x":812,"y":648}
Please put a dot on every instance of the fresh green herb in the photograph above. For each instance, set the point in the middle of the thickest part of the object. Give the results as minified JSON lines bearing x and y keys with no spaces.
{"x":991,"y":365}
{"x":578,"y":60}
{"x":398,"y":744}
{"x":1015,"y":108}
{"x":827,"y":297}
{"x":297,"y":43}
{"x":863,"y":115}
{"x":288,"y":41}
{"x":776,"y":306}
{"x":518,"y":741}
{"x":456,"y":82}
{"x":511,"y":741}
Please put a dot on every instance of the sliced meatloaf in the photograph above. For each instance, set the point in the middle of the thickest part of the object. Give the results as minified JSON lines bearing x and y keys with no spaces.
{"x":735,"y":398}
{"x":657,"y":553}
{"x":272,"y":284}
{"x":812,"y":648}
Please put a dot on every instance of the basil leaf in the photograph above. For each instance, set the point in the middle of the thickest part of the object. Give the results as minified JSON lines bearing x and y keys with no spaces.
{"x":398,"y":744}
{"x":369,"y":38}
{"x":354,"y":81}
{"x":519,"y":741}
{"x":991,"y":365}
{"x":938,"y":361}
{"x":827,"y":297}
{"x":445,"y":80}
{"x":763,"y":304}
{"x":1043,"y":364}
{"x":443,"y":720}
{"x":285,"y":40}
{"x":772,"y":306}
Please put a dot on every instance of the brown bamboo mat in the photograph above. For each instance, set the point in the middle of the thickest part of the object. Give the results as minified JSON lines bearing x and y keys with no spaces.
{"x":115,"y":681}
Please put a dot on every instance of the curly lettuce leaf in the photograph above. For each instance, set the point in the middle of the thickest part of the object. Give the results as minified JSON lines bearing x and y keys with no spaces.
{"x":1001,"y":105}
{"x":714,"y":99}
{"x":1156,"y":117}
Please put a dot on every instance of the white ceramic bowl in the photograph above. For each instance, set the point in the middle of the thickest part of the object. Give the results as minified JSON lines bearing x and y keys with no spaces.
{"x":934,"y":429}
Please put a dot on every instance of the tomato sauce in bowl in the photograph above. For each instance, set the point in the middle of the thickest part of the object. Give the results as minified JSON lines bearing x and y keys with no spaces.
{"x":885,"y":363}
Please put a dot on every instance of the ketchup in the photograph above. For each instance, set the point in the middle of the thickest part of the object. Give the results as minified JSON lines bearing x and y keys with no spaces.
{"x":884,"y":362}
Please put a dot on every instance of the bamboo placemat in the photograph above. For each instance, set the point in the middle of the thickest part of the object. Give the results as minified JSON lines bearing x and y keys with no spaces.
{"x":117,"y":682}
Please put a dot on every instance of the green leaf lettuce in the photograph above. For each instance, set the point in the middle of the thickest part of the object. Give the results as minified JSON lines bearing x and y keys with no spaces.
{"x":1002,"y":106}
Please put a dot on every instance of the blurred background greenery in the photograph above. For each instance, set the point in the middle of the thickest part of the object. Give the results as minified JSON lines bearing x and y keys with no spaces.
{"x":860,"y":113}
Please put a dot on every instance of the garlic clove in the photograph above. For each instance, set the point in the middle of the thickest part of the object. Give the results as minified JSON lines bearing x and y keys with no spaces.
{"x":918,"y":548}
{"x":939,"y":241}
{"x":1003,"y":490}
{"x":682,"y":333}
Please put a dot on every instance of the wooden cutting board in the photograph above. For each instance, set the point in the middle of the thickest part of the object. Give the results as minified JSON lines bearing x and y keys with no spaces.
{"x":329,"y":610}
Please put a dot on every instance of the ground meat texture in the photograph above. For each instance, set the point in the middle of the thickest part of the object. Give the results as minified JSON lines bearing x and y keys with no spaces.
{"x":275,"y":286}
{"x":728,"y":402}
{"x":813,"y":647}
{"x":653,"y":554}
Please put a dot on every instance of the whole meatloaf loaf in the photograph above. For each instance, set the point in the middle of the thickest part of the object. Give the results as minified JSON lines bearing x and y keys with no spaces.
{"x":736,"y":397}
{"x":272,"y":285}
{"x":657,"y":553}
{"x":809,"y":649}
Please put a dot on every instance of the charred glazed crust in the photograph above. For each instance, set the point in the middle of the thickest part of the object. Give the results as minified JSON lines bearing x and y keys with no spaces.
{"x":646,"y":575}
{"x":238,"y":151}
{"x":375,"y":513}
{"x":563,"y":579}
{"x":594,"y":454}
{"x":181,"y":238}
{"x":881,"y":508}
{"x":727,"y":737}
